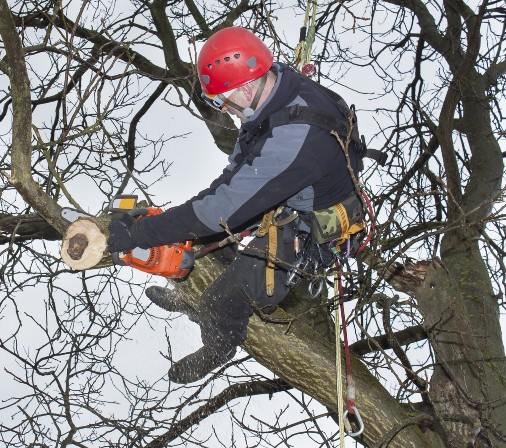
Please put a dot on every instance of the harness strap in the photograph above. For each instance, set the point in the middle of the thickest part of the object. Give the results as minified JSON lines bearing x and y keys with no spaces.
{"x":378,"y":156}
{"x":268,"y":227}
{"x":272,"y":248}
{"x":298,"y":114}
{"x":266,"y":223}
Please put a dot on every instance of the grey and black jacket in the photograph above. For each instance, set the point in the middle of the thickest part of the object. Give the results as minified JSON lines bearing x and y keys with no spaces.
{"x":296,"y":164}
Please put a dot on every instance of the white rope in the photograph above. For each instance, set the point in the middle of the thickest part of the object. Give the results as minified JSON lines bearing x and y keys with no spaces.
{"x":304,"y":48}
{"x":339,"y":370}
{"x":303,"y":54}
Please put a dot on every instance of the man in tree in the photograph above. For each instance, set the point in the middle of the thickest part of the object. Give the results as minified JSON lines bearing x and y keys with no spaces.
{"x":284,"y":156}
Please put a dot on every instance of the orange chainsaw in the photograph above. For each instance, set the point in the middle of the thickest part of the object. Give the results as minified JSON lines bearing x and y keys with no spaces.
{"x":170,"y":260}
{"x":173,"y":261}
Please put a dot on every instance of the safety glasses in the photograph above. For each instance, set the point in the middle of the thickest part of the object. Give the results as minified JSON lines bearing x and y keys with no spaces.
{"x":217,"y":101}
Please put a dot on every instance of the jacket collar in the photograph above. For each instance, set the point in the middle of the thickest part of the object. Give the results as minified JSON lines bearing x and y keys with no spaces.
{"x":284,"y":91}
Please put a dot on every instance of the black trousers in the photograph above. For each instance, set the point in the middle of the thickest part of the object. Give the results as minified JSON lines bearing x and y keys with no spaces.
{"x":230,"y":301}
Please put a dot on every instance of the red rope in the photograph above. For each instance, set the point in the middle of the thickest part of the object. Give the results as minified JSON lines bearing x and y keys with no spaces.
{"x":350,"y":385}
{"x":372,"y":226}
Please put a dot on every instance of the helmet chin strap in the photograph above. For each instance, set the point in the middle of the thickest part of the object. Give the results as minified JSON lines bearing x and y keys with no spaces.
{"x":249,"y":111}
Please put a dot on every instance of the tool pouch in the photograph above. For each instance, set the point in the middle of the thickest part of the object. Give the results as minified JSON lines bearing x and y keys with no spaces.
{"x":338,"y":222}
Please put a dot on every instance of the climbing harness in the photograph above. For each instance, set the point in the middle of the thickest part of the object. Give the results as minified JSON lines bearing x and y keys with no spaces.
{"x":306,"y":39}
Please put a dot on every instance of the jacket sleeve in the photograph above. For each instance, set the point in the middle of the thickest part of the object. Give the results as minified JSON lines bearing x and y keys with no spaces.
{"x":285,"y":165}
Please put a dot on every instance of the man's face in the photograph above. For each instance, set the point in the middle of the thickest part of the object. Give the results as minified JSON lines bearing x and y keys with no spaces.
{"x":234,"y":101}
{"x":237,"y":98}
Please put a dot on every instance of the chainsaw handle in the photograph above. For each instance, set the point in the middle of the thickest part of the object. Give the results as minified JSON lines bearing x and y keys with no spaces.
{"x":116,"y":259}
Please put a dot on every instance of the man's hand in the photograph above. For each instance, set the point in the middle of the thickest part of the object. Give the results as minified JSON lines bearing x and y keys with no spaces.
{"x":120,"y":237}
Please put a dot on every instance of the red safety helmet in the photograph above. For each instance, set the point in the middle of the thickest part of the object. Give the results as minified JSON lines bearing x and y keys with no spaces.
{"x":230,"y":58}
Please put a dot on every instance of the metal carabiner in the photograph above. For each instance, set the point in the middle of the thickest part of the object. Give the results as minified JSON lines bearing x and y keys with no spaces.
{"x":360,"y":429}
{"x":296,"y":273}
{"x":315,"y":288}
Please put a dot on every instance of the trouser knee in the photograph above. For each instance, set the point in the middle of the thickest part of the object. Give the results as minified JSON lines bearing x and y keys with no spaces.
{"x":224,"y":315}
{"x":229,"y":302}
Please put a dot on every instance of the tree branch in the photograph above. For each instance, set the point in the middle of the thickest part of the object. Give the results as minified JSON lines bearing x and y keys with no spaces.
{"x":201,"y":22}
{"x":494,"y":72}
{"x":294,"y":351}
{"x":221,"y":126}
{"x":166,"y":34}
{"x":21,"y":151}
{"x":383,"y":342}
{"x":215,"y":403}
{"x":428,"y":27}
{"x":27,"y":227}
{"x":106,"y":46}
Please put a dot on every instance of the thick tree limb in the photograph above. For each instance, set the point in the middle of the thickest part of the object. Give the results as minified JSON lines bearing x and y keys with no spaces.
{"x":21,"y":150}
{"x":26,"y":227}
{"x":166,"y":34}
{"x":459,"y":310}
{"x":445,"y":138}
{"x":196,"y":14}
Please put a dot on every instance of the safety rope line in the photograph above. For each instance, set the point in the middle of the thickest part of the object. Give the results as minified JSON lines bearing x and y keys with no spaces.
{"x":303,"y":63}
{"x":304,"y":48}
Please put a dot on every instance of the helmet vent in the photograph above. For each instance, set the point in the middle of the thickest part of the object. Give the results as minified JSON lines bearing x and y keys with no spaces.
{"x":237,"y":55}
{"x":226,"y":58}
{"x":217,"y":62}
{"x":252,"y":62}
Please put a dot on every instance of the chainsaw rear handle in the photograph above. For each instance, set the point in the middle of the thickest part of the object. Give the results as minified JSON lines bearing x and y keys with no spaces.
{"x":116,"y":259}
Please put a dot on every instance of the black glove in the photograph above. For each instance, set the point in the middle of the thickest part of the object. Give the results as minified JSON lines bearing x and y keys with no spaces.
{"x":120,"y":235}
